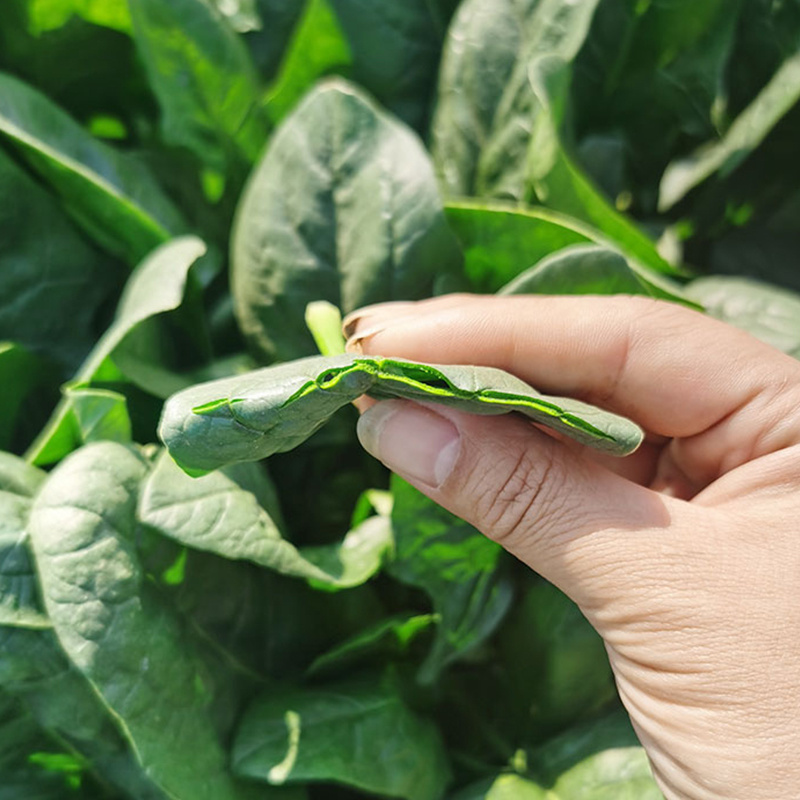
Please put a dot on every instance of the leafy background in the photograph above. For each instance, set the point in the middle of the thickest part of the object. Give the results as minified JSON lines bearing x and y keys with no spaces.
{"x":178,"y":180}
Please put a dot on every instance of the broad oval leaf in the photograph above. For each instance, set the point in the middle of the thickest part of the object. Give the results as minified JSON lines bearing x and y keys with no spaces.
{"x":343,"y":207}
{"x":357,"y":732}
{"x":273,"y":410}
{"x":203,"y":77}
{"x":116,"y":631}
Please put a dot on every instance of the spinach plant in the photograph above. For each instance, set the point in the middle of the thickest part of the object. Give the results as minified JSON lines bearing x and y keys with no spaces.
{"x":178,"y":182}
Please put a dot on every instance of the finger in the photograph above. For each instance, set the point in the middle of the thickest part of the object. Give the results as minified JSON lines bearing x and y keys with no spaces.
{"x":565,"y":516}
{"x":678,"y":373}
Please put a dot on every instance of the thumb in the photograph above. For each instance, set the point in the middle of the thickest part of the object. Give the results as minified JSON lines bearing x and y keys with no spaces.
{"x":574,"y":522}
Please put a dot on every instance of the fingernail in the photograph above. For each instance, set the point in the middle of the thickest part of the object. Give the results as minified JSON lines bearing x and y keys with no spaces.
{"x":355,"y":342}
{"x":385,"y":312}
{"x":411,"y":440}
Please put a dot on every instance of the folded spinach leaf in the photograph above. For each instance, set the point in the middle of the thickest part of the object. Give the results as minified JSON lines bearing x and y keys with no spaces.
{"x":272,"y":410}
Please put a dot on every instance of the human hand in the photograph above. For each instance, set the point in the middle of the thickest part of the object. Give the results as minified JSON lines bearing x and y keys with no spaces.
{"x":685,"y":556}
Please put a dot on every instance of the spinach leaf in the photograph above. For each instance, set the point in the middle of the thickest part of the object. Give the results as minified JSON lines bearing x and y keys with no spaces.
{"x":767,"y":312}
{"x":593,"y":269}
{"x":20,"y":372}
{"x":343,"y":207}
{"x":554,"y":663}
{"x":395,"y":49}
{"x":113,"y":198}
{"x":318,"y":47}
{"x":390,"y":49}
{"x":204,"y":79}
{"x":456,"y":566}
{"x":275,"y":409}
{"x":19,"y":596}
{"x":501,"y":240}
{"x":44,"y":272}
{"x":33,"y":667}
{"x":389,"y":637}
{"x":115,"y":629}
{"x":88,"y":413}
{"x":748,"y":130}
{"x":558,"y":182}
{"x":214,"y":513}
{"x":486,"y":107}
{"x":358,"y":732}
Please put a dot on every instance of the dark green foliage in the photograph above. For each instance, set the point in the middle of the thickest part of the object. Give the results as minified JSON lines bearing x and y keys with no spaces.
{"x":305,"y":620}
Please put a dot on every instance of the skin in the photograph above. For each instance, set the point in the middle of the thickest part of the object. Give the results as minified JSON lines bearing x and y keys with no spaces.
{"x":685,"y":556}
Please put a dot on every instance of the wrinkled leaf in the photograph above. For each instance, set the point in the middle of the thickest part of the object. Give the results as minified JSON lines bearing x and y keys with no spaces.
{"x":746,"y":133}
{"x":113,"y":198}
{"x":203,"y":77}
{"x":343,"y":207}
{"x":85,"y":414}
{"x":456,"y":566}
{"x":215,"y":514}
{"x":356,"y":732}
{"x":275,"y":409}
{"x":115,"y":630}
{"x":593,"y":269}
{"x":769,"y":313}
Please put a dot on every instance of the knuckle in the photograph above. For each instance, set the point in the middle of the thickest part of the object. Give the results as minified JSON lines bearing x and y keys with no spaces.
{"x":519,"y":505}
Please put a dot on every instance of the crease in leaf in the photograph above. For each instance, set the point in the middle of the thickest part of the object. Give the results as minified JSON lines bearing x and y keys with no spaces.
{"x":275,"y":409}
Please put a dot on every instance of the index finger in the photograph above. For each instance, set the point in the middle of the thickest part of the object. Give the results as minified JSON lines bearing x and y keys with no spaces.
{"x":675,"y":371}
